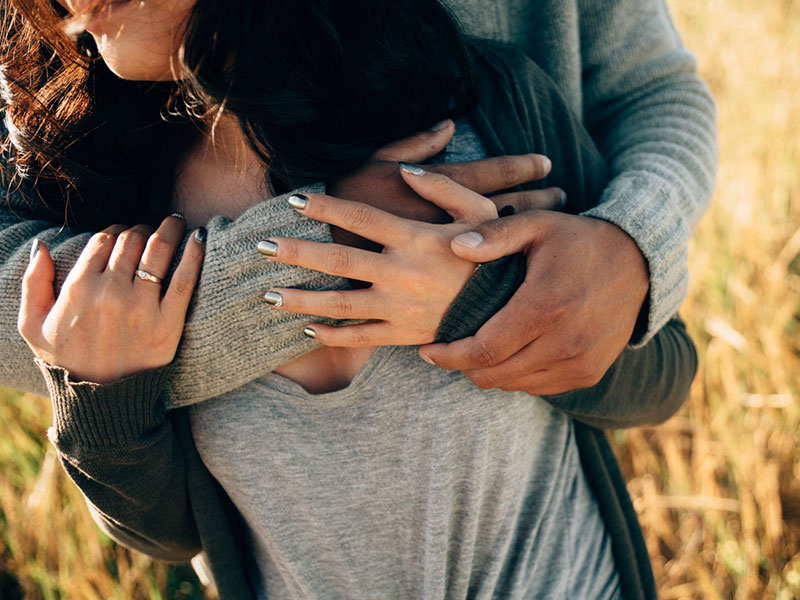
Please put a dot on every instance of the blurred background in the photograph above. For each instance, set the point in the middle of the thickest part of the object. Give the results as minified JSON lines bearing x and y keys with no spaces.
{"x":717,"y":488}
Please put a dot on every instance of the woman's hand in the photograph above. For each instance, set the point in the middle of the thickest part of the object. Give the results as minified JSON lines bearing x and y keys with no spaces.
{"x":112,"y":318}
{"x":379,"y":184}
{"x":414,"y":280}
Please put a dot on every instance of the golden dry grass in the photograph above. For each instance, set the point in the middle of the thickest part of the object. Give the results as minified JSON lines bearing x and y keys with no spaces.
{"x":717,"y":488}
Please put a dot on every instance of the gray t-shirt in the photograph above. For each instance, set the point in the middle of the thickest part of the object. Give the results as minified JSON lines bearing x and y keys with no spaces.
{"x":410,"y":483}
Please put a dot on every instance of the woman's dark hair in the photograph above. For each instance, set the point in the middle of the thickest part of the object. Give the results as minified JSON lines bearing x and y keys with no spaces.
{"x":317,"y":86}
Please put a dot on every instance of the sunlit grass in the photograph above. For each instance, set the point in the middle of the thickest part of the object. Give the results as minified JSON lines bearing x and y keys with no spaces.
{"x":717,"y":488}
{"x":50,"y":547}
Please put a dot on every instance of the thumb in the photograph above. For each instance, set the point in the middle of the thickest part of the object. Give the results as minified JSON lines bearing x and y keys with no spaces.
{"x":38,"y":296}
{"x":500,"y":237}
{"x":419,"y":147}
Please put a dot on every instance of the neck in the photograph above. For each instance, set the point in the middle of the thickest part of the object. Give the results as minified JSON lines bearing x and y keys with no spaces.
{"x":222,"y":175}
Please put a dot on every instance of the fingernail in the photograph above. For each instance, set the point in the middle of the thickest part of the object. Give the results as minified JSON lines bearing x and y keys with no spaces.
{"x":547,"y":163}
{"x":35,"y":248}
{"x":562,"y":198}
{"x":178,"y":215}
{"x":268,"y":248}
{"x":411,"y":169}
{"x":471,"y":239}
{"x":440,"y":126}
{"x":201,"y":235}
{"x":308,"y":332}
{"x":274,"y":298}
{"x":426,"y":359}
{"x":298,"y":201}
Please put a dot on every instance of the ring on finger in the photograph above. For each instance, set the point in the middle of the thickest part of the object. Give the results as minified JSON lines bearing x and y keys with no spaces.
{"x":145,"y":276}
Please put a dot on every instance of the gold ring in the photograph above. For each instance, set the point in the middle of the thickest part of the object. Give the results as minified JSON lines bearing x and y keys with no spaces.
{"x":145,"y":276}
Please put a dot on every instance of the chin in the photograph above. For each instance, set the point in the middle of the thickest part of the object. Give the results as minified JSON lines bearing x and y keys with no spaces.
{"x":130,"y":73}
{"x":130,"y":64}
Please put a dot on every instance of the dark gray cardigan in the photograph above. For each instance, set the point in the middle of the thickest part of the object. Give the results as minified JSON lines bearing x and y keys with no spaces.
{"x":137,"y":463}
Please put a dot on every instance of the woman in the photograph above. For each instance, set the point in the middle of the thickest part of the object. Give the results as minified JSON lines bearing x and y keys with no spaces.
{"x":493,"y":458}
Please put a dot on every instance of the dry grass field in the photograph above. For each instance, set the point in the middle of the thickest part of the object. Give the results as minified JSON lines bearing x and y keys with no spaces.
{"x":717,"y":488}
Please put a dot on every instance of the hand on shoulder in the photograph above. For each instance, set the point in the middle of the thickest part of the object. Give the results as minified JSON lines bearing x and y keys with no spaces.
{"x":113,"y":316}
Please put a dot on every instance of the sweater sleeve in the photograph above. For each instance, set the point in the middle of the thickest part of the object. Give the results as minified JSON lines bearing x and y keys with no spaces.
{"x":653,"y":120}
{"x":646,"y":384}
{"x":231,"y":335}
{"x":117,"y":443}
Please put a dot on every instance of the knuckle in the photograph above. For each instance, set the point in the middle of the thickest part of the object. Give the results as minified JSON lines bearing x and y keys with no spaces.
{"x":526,"y":201}
{"x":337,"y":260}
{"x":359,"y":216}
{"x":102,"y":238}
{"x":358,"y":337}
{"x":158,"y":247}
{"x":340,"y":305}
{"x":496,"y":229}
{"x":183,"y":286}
{"x":566,"y":349}
{"x":132,"y":237}
{"x":484,"y":354}
{"x":552,"y":309}
{"x":508,"y":170}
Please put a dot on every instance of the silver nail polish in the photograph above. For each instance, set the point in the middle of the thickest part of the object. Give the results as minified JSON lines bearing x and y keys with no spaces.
{"x":298,"y":201}
{"x":35,"y":248}
{"x":308,"y":332}
{"x":178,"y":215}
{"x":268,"y":248}
{"x":274,"y":298}
{"x":411,"y":169}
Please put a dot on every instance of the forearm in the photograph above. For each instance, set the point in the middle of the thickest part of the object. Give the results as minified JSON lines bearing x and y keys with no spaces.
{"x":231,"y":337}
{"x":118,"y":445}
{"x":654,"y":122}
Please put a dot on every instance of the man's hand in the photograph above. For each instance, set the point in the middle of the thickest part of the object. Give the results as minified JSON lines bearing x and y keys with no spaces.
{"x":378,"y":182}
{"x":574,"y":313}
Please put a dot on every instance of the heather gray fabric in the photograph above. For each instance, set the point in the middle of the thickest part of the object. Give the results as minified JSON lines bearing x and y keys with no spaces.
{"x":409,"y":483}
{"x":622,"y":68}
{"x":483,"y":488}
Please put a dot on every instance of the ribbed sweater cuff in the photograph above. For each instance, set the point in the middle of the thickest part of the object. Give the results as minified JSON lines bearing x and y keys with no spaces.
{"x":489,"y":289}
{"x":92,"y":414}
{"x":649,"y":216}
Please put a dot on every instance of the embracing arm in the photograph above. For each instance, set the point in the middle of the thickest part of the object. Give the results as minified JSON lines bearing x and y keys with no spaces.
{"x":230,"y":337}
{"x":653,"y":120}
